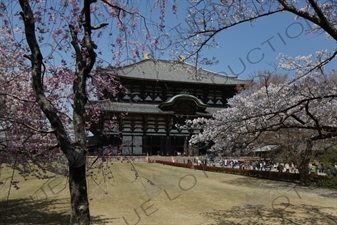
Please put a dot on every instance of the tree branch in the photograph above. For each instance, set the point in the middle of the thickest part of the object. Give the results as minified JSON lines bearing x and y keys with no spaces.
{"x":18,"y":98}
{"x":215,"y":32}
{"x":36,"y":61}
{"x":313,"y":118}
{"x":316,"y":67}
{"x":321,"y":20}
{"x":99,"y":26}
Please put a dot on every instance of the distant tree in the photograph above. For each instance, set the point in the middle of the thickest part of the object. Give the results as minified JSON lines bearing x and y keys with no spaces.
{"x":262,"y":79}
{"x":328,"y":159}
{"x":291,"y":148}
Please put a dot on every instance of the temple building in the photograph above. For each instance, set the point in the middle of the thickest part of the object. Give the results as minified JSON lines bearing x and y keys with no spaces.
{"x":162,"y":93}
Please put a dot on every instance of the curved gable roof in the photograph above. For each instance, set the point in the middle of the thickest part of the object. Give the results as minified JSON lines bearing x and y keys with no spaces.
{"x":189,"y":97}
{"x":174,"y":71}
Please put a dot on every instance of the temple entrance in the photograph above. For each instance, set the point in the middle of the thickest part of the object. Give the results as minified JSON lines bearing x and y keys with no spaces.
{"x":155,"y":150}
{"x":164,"y":146}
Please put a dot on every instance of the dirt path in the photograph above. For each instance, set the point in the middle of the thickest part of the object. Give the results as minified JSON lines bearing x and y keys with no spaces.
{"x":165,"y":195}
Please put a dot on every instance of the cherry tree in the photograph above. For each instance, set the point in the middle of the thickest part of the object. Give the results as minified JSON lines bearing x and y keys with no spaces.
{"x":54,"y":50}
{"x":303,"y":104}
{"x":22,"y":137}
{"x":306,"y":105}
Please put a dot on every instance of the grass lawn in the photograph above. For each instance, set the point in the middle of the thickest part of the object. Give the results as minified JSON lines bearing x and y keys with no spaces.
{"x":166,"y":195}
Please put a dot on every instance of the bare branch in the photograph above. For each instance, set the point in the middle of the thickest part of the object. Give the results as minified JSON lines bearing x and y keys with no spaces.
{"x":215,"y":32}
{"x":314,"y":119}
{"x":17,"y":97}
{"x":321,"y":20}
{"x":37,"y":130}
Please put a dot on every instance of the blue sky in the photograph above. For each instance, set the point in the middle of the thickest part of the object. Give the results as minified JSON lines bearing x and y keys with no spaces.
{"x":248,"y":48}
{"x":244,"y":49}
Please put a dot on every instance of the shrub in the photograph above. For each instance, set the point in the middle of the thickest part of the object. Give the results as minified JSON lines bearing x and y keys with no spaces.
{"x":323,"y":181}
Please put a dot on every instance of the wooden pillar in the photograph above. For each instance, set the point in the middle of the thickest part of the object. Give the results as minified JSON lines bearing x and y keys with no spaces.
{"x":144,"y":138}
{"x":167,"y":146}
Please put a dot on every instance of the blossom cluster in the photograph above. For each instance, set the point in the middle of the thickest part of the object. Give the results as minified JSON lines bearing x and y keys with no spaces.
{"x":308,"y":103}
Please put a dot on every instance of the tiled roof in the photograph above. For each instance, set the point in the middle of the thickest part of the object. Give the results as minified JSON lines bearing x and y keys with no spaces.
{"x":138,"y":108}
{"x":175,"y":71}
{"x":126,"y":107}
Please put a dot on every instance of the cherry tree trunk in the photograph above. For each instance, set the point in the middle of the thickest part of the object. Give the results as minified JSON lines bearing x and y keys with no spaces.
{"x":304,"y":172}
{"x":304,"y":166}
{"x":79,"y":197}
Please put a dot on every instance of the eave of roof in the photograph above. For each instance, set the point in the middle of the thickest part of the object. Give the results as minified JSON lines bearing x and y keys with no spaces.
{"x":183,"y":96}
{"x":123,"y":107}
{"x":173,"y":71}
{"x":140,"y":108}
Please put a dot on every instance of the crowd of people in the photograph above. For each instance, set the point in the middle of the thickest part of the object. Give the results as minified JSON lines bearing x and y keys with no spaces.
{"x":253,"y":164}
{"x":262,"y":165}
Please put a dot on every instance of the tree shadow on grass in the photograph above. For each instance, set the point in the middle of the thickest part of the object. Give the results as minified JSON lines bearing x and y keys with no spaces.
{"x":47,"y":212}
{"x":283,"y":213}
{"x":256,"y":182}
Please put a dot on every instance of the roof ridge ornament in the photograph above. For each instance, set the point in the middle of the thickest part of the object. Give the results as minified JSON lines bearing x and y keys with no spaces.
{"x":182,"y":58}
{"x":147,"y":55}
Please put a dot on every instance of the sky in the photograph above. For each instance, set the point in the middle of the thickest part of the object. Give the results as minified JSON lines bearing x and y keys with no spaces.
{"x":247,"y":49}
{"x":243,"y":50}
{"x":251,"y":47}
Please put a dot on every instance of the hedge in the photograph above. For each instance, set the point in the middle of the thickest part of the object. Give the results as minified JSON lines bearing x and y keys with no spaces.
{"x":316,"y":180}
